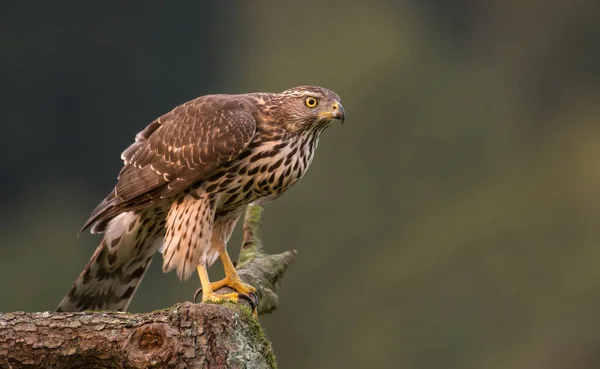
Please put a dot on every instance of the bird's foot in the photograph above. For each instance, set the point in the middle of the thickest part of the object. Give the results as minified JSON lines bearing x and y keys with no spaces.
{"x":235,"y":284}
{"x":243,"y":291}
{"x":251,"y":297}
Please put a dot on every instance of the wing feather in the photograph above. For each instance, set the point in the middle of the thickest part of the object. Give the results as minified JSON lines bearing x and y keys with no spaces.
{"x":177,"y":150}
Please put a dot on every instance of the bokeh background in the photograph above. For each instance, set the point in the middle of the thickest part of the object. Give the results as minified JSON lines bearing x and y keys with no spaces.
{"x":452,"y":222}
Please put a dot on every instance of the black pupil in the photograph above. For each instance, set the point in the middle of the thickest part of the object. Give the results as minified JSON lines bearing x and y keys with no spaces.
{"x":311,"y":101}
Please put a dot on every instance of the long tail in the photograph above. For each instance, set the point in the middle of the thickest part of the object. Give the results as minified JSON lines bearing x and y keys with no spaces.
{"x":118,"y":265}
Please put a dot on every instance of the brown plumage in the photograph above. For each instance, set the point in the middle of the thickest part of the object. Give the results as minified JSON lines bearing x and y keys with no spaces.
{"x":186,"y":180}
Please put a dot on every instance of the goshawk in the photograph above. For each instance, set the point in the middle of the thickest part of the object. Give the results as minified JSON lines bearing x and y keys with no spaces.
{"x":186,"y":180}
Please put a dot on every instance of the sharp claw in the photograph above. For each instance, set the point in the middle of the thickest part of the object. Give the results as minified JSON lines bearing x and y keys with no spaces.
{"x":198,"y":292}
{"x":254,"y":297}
{"x":243,"y":296}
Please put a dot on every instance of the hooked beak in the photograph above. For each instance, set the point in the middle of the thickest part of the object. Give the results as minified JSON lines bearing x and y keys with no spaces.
{"x":338,"y":112}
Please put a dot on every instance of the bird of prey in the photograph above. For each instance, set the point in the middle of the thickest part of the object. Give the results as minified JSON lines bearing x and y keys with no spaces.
{"x":186,"y":180}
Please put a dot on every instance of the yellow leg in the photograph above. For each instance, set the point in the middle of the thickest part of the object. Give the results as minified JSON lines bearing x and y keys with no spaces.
{"x":204,"y":281}
{"x":232,"y":279}
{"x":208,"y":293}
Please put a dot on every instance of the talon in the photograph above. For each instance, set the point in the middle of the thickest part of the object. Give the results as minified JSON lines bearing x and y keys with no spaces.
{"x":254,"y":297}
{"x":198,"y":292}
{"x":250,"y":300}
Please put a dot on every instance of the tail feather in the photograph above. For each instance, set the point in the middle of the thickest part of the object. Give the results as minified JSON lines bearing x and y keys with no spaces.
{"x":119,"y":263}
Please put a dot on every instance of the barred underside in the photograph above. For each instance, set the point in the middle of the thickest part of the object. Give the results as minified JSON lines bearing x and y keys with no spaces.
{"x":188,"y":233}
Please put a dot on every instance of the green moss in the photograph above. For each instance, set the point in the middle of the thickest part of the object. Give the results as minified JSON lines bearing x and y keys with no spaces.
{"x":246,"y":256}
{"x":237,"y":307}
{"x":257,"y":333}
{"x":254,"y":330}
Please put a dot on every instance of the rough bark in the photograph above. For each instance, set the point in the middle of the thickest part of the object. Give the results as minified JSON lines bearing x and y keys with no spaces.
{"x":186,"y":335}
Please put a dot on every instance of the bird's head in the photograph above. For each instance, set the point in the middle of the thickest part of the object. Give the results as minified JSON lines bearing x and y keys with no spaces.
{"x":309,"y":107}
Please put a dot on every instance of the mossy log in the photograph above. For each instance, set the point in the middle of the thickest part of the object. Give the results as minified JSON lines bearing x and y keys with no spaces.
{"x":186,"y":335}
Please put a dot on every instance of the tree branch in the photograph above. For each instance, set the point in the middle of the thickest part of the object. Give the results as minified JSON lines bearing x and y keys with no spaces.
{"x":186,"y":335}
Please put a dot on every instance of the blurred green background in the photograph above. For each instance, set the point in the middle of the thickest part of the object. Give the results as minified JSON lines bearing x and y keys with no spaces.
{"x":452,"y":222}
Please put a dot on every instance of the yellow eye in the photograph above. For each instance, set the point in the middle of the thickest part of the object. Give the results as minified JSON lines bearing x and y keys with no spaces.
{"x":311,"y":102}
